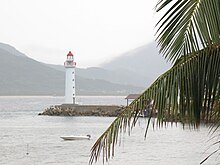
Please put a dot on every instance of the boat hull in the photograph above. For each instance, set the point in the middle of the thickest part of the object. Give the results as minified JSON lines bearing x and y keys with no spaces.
{"x":75,"y":137}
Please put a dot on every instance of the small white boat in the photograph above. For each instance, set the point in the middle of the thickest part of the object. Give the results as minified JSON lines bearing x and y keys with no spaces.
{"x":74,"y":137}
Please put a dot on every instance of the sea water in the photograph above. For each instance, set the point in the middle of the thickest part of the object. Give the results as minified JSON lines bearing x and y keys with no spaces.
{"x":28,"y":139}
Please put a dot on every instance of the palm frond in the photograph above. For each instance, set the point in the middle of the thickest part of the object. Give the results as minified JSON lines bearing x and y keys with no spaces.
{"x":186,"y":93}
{"x":188,"y":26}
{"x":189,"y":36}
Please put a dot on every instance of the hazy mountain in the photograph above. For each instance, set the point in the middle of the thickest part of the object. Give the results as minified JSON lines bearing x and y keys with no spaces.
{"x":56,"y":67}
{"x":21,"y":75}
{"x":120,"y":77}
{"x":144,"y":61}
{"x":138,"y":67}
{"x":103,"y":87}
{"x":116,"y":76}
{"x":11,"y":50}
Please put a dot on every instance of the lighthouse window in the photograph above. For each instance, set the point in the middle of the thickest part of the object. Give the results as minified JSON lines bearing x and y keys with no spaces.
{"x":73,"y":79}
{"x":73,"y":94}
{"x":72,"y":72}
{"x":73,"y":87}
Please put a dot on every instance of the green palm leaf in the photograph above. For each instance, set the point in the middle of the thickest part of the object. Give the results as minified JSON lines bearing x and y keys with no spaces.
{"x":189,"y":36}
{"x":188,"y":26}
{"x":186,"y":93}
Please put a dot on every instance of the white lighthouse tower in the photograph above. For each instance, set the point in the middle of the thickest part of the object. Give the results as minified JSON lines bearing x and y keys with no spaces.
{"x":70,"y":94}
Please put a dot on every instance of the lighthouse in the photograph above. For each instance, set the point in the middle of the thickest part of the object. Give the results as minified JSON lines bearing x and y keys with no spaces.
{"x":70,"y":94}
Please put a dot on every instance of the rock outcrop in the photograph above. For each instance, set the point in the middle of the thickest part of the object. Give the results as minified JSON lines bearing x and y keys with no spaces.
{"x":82,"y":110}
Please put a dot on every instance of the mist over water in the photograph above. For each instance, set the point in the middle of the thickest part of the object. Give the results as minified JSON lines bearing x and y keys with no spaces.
{"x":26,"y":138}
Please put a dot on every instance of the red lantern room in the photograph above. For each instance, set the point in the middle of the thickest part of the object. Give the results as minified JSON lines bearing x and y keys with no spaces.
{"x":70,"y":60}
{"x":70,"y":54}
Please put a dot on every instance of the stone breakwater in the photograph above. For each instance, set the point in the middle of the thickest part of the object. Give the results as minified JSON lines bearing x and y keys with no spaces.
{"x":83,"y":110}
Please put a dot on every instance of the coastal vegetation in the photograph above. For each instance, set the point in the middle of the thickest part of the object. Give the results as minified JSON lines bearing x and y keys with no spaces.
{"x":188,"y":35}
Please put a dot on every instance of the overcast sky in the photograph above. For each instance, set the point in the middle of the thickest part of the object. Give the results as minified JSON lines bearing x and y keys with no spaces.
{"x":95,"y":30}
